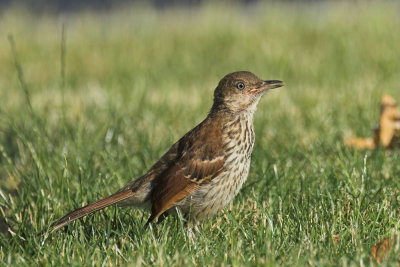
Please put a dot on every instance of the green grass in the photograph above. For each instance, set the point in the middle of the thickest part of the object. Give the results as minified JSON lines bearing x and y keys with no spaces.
{"x":136,"y":80}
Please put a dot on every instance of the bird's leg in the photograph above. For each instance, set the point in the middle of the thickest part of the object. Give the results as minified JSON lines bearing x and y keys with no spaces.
{"x":162,"y":217}
{"x":187,"y":225}
{"x":191,"y":229}
{"x":193,"y":233}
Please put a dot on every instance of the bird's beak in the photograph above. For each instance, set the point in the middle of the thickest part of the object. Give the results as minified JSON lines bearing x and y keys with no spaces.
{"x":265,"y":86}
{"x":272,"y":84}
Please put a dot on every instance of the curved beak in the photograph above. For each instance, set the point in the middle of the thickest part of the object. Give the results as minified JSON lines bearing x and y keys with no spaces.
{"x":266,"y":85}
{"x":272,"y":84}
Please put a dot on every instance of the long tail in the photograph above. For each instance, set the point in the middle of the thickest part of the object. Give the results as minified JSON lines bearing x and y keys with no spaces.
{"x":86,"y":210}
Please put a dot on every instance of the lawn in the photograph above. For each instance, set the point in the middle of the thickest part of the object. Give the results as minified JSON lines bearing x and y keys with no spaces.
{"x":89,"y":101}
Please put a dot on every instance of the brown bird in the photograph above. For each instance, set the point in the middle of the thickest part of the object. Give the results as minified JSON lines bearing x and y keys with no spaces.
{"x":202,"y":172}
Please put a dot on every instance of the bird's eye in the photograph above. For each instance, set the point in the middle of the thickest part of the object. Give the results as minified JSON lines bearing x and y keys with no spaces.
{"x":240,"y":86}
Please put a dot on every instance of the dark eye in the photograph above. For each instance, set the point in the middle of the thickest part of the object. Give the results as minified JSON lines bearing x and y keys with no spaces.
{"x":240,"y":86}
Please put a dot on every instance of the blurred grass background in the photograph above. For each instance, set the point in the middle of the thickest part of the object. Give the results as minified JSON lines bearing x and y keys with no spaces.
{"x":137,"y":78}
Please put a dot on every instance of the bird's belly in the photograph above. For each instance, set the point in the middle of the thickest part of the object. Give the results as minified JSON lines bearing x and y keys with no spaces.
{"x":212,"y":197}
{"x":209,"y":198}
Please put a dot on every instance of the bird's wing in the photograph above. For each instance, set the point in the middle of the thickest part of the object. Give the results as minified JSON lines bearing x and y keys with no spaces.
{"x":201,"y":158}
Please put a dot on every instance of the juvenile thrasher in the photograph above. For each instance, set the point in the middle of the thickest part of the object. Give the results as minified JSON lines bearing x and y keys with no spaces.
{"x":202,"y":172}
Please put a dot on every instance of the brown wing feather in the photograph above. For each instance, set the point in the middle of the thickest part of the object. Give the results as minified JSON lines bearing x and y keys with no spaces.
{"x":198,"y":162}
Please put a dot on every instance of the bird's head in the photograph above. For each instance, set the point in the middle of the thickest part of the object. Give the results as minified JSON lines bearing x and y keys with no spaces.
{"x":241,"y":91}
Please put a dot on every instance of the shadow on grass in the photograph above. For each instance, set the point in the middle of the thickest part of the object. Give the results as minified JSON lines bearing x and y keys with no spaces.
{"x":3,"y":226}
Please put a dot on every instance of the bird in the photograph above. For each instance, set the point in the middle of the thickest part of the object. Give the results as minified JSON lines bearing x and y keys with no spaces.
{"x":204,"y":170}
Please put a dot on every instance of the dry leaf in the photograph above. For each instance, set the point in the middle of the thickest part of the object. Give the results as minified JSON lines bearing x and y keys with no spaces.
{"x":381,"y":249}
{"x":390,"y":120}
{"x":388,"y":132}
{"x":361,"y":143}
{"x":336,"y":239}
{"x":347,"y":206}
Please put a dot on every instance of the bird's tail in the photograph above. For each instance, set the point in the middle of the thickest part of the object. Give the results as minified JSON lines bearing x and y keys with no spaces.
{"x":86,"y":210}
